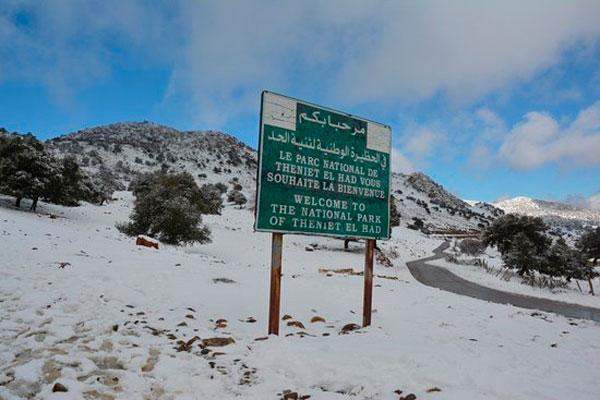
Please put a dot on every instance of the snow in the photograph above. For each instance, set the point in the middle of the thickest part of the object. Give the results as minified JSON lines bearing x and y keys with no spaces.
{"x":417,"y":196}
{"x":552,"y":211}
{"x":478,"y":274}
{"x":57,"y":324}
{"x":129,"y":148}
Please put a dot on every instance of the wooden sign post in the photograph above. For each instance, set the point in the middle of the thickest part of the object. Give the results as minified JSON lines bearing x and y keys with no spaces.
{"x":275,"y":292}
{"x":368,"y":289}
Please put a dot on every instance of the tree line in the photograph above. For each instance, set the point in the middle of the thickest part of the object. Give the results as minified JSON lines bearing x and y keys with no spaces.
{"x":168,"y":206}
{"x":29,"y":171}
{"x":526,"y":247}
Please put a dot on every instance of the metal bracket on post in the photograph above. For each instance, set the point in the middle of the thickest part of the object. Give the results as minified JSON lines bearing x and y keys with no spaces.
{"x":275,"y":292}
{"x":368,"y":289}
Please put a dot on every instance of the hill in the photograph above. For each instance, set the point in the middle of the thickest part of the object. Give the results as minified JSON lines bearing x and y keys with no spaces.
{"x":129,"y":148}
{"x":565,"y":219}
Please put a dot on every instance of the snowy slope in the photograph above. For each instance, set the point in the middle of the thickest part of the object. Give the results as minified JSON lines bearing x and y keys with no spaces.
{"x":542,"y":208}
{"x":113,"y":323}
{"x":495,"y":275}
{"x":564,"y":218}
{"x":417,"y":196}
{"x":129,"y":148}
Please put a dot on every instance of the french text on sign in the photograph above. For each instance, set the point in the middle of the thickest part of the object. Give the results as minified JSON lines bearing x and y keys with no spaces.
{"x":321,"y":171}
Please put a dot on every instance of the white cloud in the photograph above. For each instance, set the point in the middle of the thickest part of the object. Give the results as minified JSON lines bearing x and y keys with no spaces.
{"x":594,"y":202}
{"x":68,"y":46}
{"x":481,"y":157}
{"x":348,"y":52}
{"x":465,"y":49}
{"x":400,"y":163}
{"x":422,"y":141}
{"x":539,"y":139}
{"x":490,"y":119}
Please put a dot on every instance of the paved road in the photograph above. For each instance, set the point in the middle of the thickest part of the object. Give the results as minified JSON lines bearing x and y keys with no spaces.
{"x":441,"y":278}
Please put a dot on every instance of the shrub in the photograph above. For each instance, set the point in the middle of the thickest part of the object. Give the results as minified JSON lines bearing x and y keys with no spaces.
{"x":212,"y":202}
{"x":237,"y":197}
{"x":472,"y":247}
{"x":503,"y":232}
{"x":522,"y":242}
{"x":394,"y":214}
{"x":169,"y":208}
{"x":589,"y":244}
{"x":221,"y":186}
{"x":68,"y":187}
{"x":26,"y":169}
{"x":522,"y":255}
{"x":101,"y":186}
{"x":417,"y":225}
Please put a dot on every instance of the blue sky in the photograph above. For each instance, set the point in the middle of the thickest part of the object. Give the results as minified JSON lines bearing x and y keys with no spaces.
{"x":491,"y":100}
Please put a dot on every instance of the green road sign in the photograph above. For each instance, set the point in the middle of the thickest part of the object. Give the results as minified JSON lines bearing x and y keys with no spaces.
{"x":321,"y":171}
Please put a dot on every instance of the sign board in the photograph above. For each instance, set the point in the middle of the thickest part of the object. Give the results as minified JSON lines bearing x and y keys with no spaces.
{"x":321,"y":172}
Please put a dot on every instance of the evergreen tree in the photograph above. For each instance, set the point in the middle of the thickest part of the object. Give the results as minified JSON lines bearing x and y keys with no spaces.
{"x":579,"y":268}
{"x":101,"y":186}
{"x":503,"y":231}
{"x":68,"y":186}
{"x":522,"y":255}
{"x":25,"y":168}
{"x":168,"y":207}
{"x":589,"y":244}
{"x":212,"y":202}
{"x":221,"y":186}
{"x":236,"y":197}
{"x":558,"y":260}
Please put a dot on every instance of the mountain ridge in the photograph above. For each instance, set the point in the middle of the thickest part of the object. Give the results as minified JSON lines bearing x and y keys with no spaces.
{"x":563,"y":218}
{"x":130,"y":148}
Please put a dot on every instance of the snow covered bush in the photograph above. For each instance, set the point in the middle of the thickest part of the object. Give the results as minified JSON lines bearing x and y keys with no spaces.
{"x":168,"y":207}
{"x":523,"y":255}
{"x":212,"y":202}
{"x":418,"y":225}
{"x":589,"y":244}
{"x":26,"y":168}
{"x":102,"y":185}
{"x":472,"y":247}
{"x":520,"y":239}
{"x":525,"y":247}
{"x":394,"y":214}
{"x":69,"y":186}
{"x":236,"y":197}
{"x":221,"y":186}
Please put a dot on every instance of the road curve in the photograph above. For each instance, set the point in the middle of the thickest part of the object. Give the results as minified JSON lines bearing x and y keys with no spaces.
{"x":441,"y":278}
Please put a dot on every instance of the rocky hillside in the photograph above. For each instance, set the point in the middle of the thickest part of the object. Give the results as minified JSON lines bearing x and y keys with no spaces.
{"x":130,"y":148}
{"x":418,"y":196}
{"x":565,"y":219}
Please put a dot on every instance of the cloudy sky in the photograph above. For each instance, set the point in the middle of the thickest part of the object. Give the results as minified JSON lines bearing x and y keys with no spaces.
{"x":490,"y":99}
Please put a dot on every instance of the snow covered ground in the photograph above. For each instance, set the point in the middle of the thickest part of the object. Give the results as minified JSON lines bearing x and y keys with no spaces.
{"x":119,"y":321}
{"x":478,"y":274}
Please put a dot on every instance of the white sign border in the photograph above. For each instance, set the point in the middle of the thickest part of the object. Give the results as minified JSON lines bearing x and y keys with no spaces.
{"x":258,"y":175}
